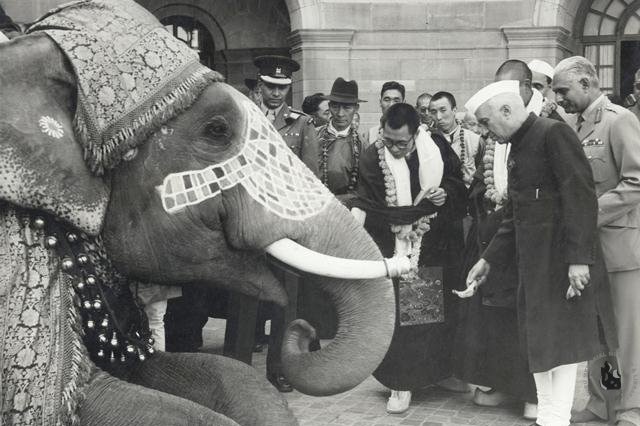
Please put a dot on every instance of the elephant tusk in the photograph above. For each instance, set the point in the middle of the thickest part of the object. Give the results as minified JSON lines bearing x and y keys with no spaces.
{"x":306,"y":260}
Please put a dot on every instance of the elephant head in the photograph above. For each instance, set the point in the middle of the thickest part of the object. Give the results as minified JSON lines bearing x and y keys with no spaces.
{"x":192,"y":188}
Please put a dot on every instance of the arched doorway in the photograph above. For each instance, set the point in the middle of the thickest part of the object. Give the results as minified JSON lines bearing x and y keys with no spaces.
{"x":238,"y":31}
{"x":191,"y":31}
{"x":609,"y":32}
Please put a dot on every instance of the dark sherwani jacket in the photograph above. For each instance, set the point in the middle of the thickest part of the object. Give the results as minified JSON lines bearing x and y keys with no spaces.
{"x":549,"y":223}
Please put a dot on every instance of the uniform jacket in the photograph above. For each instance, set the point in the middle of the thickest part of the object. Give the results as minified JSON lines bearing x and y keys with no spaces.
{"x":298,"y":132}
{"x":610,"y":137}
{"x":549,"y":223}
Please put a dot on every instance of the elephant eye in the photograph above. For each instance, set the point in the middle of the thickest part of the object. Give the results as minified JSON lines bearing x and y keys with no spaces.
{"x":217,"y":128}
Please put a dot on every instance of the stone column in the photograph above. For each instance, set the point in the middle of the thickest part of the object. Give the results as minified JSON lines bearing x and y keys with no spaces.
{"x":318,"y":51}
{"x":551,"y":44}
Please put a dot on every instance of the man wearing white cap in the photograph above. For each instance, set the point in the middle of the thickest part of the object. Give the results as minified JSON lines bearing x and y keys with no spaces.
{"x":541,"y":76}
{"x":563,"y":300}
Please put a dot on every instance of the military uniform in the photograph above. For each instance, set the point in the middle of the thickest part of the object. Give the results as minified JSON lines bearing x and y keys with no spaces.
{"x":610,"y":137}
{"x":298,"y":131}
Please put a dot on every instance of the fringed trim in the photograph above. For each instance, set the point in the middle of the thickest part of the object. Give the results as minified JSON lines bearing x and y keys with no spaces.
{"x":81,"y":369}
{"x":103,"y":155}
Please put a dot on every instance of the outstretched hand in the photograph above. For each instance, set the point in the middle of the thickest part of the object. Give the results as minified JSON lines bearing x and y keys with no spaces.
{"x":477,"y":275}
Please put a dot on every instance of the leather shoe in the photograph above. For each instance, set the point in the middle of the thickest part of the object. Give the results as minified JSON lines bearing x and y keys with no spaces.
{"x":280,"y":382}
{"x":585,"y":416}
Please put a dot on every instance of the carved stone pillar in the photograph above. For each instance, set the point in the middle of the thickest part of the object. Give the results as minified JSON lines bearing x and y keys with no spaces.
{"x":317,"y":51}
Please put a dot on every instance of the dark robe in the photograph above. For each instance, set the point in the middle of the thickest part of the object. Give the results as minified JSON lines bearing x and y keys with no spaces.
{"x":550,"y":223}
{"x":419,"y":355}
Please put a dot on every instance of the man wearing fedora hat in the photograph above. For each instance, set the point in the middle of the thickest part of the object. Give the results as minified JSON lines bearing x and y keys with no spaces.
{"x":338,"y":141}
{"x":295,"y":127}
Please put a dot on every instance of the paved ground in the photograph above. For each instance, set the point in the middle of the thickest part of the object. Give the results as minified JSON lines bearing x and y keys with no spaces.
{"x":365,"y":404}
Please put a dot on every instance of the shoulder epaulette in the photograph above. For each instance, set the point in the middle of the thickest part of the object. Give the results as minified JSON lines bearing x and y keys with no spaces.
{"x":295,"y":114}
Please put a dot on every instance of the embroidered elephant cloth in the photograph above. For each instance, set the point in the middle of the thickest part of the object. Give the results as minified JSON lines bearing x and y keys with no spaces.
{"x":133,"y":76}
{"x":43,"y":362}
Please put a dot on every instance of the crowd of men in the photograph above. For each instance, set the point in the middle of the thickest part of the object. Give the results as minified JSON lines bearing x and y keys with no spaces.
{"x":542,"y":206}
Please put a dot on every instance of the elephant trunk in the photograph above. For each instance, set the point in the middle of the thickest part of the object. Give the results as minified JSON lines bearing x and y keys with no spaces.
{"x":365,"y":309}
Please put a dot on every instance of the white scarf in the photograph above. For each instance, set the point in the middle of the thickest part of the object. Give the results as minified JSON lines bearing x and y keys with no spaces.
{"x":430,"y":174}
{"x":501,"y":153}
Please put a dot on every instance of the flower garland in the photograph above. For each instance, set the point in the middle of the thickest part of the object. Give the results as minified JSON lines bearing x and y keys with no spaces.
{"x":487,"y":161}
{"x":417,"y":228}
{"x":463,"y":147}
{"x":464,"y":154}
{"x":548,"y":107}
{"x":355,"y":157}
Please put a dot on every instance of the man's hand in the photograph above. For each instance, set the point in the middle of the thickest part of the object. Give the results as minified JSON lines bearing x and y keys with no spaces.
{"x":578,"y":280}
{"x":477,"y":275}
{"x":437,"y":196}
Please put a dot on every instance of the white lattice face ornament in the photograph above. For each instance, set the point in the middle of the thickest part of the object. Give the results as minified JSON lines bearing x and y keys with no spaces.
{"x":266,"y":168}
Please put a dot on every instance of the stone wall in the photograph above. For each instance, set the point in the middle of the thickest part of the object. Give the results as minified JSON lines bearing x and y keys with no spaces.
{"x":429,"y":45}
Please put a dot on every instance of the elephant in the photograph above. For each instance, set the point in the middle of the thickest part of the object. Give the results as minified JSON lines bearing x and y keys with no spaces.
{"x":188,"y":184}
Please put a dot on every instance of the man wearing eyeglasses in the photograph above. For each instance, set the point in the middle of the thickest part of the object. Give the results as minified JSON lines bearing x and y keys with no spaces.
{"x":427,"y":179}
{"x":422,"y":106}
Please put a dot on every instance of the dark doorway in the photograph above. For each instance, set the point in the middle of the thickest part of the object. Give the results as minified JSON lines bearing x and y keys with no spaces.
{"x":629,"y":64}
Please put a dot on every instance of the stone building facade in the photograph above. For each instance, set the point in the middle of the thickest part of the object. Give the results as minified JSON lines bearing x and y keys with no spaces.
{"x":429,"y":45}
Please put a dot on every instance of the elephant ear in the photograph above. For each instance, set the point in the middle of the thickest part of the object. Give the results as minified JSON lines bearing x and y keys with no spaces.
{"x":41,"y":163}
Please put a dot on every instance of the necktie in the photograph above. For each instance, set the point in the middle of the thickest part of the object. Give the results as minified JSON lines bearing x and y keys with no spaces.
{"x":579,"y":122}
{"x":271,"y":115}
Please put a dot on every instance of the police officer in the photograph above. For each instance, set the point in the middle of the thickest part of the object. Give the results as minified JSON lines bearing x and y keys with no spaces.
{"x":610,"y":136}
{"x":298,"y":131}
{"x":295,"y":127}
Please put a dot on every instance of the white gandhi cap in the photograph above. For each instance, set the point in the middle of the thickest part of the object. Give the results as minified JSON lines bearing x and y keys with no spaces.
{"x":488,"y":92}
{"x":542,"y":67}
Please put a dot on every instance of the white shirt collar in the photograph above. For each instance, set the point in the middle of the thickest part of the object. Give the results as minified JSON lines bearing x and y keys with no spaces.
{"x":453,"y":132}
{"x":276,"y":111}
{"x":340,"y":134}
